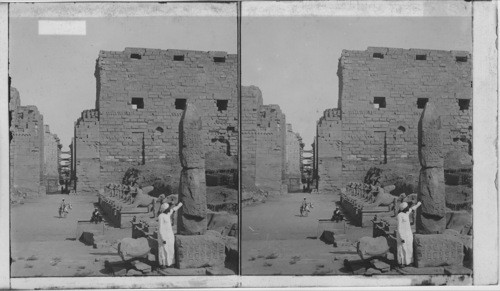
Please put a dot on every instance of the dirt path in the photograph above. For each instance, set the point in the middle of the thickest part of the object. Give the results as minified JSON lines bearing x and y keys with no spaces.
{"x":276,"y":240}
{"x":42,"y":244}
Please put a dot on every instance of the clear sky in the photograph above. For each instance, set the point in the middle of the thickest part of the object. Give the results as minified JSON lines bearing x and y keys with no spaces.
{"x":294,"y":60}
{"x":56,"y":73}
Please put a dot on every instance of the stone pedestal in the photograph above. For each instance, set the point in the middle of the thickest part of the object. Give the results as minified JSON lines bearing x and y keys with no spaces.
{"x":434,"y":250}
{"x":196,"y":251}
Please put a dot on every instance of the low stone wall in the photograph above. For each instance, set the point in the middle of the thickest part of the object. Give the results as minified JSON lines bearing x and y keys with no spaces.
{"x":118,"y":213}
{"x":360,"y":214}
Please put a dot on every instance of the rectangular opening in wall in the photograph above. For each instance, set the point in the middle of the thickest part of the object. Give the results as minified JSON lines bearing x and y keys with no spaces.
{"x":421,"y":57}
{"x":421,"y":102}
{"x":379,"y":102}
{"x":136,"y":56}
{"x":464,"y":104}
{"x":378,"y":56}
{"x":461,"y":59}
{"x":219,"y":59}
{"x":180,"y":104}
{"x":230,"y":128}
{"x":179,"y":58}
{"x":137,"y":103}
{"x":222,"y":105}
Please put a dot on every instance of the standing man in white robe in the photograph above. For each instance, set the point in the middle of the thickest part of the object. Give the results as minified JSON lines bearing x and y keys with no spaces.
{"x":166,"y":238}
{"x":404,"y":234}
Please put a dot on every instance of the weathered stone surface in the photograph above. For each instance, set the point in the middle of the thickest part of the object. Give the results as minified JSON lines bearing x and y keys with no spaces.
{"x":379,"y":265}
{"x":140,"y":266}
{"x":191,"y":225}
{"x":369,"y":247}
{"x":460,"y":221}
{"x":221,"y":222}
{"x":429,"y":224}
{"x":130,"y":248}
{"x":195,"y":251}
{"x":437,"y":250}
{"x":430,"y":143}
{"x":431,"y":192}
{"x":190,"y":139}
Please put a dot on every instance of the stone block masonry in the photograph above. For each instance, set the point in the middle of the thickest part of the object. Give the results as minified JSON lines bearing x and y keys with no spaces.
{"x":141,"y":94}
{"x":26,"y":147}
{"x":86,"y":144}
{"x":293,"y":159}
{"x":52,"y":150}
{"x":382,"y":93}
{"x":328,"y":146}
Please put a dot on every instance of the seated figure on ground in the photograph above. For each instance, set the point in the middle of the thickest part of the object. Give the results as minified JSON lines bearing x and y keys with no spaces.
{"x":96,"y":216}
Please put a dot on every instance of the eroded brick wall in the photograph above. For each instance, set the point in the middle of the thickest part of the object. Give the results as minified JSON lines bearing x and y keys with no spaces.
{"x":251,"y":101}
{"x":371,"y":135}
{"x":293,"y":156}
{"x":51,"y":160}
{"x":86,"y":150}
{"x":26,"y":148}
{"x":328,"y":146}
{"x":140,"y":95}
{"x":271,"y":149}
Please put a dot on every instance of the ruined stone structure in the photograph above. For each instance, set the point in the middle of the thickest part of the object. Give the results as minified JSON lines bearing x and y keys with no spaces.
{"x":33,"y":150}
{"x":328,"y":150}
{"x":431,"y":192}
{"x":382,"y":92}
{"x":263,"y":143}
{"x":52,"y":150}
{"x":86,"y":144}
{"x":293,"y":159}
{"x":26,"y":146}
{"x":141,"y":94}
{"x":192,"y":189}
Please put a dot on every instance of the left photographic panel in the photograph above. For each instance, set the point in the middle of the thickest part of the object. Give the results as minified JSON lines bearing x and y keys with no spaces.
{"x":123,"y":139}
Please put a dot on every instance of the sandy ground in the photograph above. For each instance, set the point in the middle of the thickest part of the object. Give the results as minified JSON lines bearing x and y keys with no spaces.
{"x":277,"y":240}
{"x":42,"y":244}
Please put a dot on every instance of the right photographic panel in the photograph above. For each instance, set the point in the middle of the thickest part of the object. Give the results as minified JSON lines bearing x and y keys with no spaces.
{"x":356,"y":139}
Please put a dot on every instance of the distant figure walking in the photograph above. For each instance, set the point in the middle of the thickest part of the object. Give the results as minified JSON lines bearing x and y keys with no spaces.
{"x":166,"y":238}
{"x":404,"y":234}
{"x":96,"y":216}
{"x":64,"y":208}
{"x":305,"y":207}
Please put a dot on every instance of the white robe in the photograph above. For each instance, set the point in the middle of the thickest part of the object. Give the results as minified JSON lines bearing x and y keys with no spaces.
{"x":405,"y":250}
{"x":166,"y":251}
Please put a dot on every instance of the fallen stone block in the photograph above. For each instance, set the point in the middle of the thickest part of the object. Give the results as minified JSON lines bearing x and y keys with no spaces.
{"x":372,"y":271}
{"x":133,"y":272}
{"x":195,"y":251}
{"x":116,"y":268}
{"x":379,"y":265}
{"x":328,"y":237}
{"x":130,"y":248}
{"x":369,"y":247}
{"x":140,"y":266}
{"x":457,"y":270}
{"x":221,"y":222}
{"x":434,"y":250}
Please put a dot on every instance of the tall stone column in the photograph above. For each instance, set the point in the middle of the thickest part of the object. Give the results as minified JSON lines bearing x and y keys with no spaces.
{"x":192,"y":186}
{"x":431,"y":218}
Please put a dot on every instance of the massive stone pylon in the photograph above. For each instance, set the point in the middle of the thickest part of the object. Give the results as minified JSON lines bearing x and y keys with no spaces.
{"x":431,"y":218}
{"x":192,"y":187}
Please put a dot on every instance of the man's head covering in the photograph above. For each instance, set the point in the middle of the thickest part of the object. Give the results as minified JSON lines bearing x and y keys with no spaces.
{"x":403,"y":206}
{"x":164,"y":206}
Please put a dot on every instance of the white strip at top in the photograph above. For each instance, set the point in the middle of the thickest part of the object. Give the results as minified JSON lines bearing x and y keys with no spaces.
{"x":62,"y":27}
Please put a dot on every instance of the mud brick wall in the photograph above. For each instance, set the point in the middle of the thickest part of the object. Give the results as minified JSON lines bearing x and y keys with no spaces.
{"x":86,"y":151}
{"x":328,"y":160}
{"x":271,"y":149}
{"x":26,"y":147}
{"x":251,"y":101}
{"x":293,"y":157}
{"x":139,"y":100}
{"x":373,"y":135}
{"x":51,"y":160}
